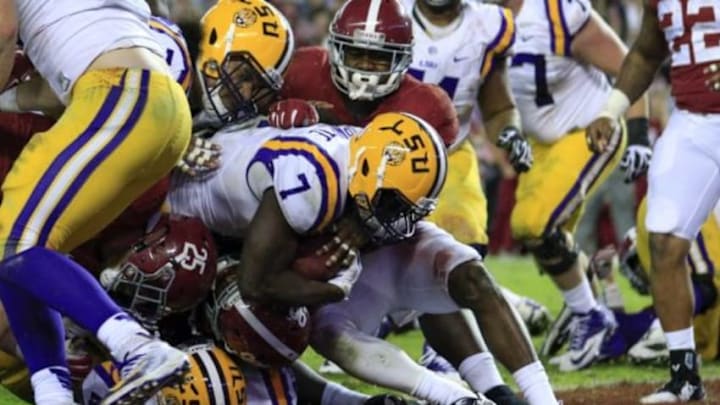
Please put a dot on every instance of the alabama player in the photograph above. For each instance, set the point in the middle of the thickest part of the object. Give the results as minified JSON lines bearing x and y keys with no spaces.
{"x":683,"y":184}
{"x":126,"y":124}
{"x":563,"y":54}
{"x":640,"y":334}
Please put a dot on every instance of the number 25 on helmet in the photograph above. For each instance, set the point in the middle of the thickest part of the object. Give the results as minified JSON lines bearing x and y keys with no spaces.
{"x":245,"y":48}
{"x":398,"y":165}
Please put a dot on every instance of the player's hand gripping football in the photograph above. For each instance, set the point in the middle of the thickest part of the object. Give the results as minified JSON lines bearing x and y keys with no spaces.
{"x":201,"y":157}
{"x":517,"y":147}
{"x":345,"y":245}
{"x":292,"y":113}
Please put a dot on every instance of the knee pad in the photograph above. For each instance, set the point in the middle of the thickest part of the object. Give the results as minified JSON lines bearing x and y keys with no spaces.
{"x":556,"y":253}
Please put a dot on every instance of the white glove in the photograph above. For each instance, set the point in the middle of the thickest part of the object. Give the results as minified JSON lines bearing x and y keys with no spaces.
{"x":347,"y":276}
{"x":635,"y":161}
{"x":201,"y":157}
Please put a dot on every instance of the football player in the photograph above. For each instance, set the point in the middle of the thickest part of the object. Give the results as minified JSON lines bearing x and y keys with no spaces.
{"x":126,"y":124}
{"x":563,"y":52}
{"x":463,"y":47}
{"x":683,"y":185}
{"x":639,"y":334}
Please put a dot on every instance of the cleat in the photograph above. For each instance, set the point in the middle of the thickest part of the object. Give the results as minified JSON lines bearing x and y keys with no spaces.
{"x":588,"y":333}
{"x":148,"y":369}
{"x":480,"y":400}
{"x":651,"y":348}
{"x":684,"y":385}
{"x":432,"y":361}
{"x":558,"y":333}
{"x":503,"y":395}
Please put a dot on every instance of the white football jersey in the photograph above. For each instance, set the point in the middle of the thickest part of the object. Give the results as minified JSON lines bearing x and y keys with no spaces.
{"x":63,"y":37}
{"x":170,"y":38}
{"x":306,"y":167}
{"x":459,"y":57}
{"x":554,"y":93}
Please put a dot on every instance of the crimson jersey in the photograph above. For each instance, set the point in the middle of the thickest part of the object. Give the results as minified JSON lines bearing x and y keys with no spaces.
{"x":308,"y":77}
{"x":692,"y":32}
{"x":15,"y":132}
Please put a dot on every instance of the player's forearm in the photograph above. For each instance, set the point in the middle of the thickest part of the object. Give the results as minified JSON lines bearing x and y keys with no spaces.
{"x":36,"y":95}
{"x":637,"y":74}
{"x":640,"y":109}
{"x":290,"y":288}
{"x":494,"y":124}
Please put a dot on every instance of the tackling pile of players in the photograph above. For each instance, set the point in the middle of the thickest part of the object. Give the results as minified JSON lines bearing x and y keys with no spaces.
{"x":148,"y":258}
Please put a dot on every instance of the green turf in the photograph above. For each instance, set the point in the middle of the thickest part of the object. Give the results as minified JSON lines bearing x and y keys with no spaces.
{"x":520,"y":275}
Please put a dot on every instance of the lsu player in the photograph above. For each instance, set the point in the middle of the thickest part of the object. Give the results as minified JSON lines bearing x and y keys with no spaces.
{"x":683,"y":185}
{"x":125,"y":125}
{"x":563,"y":52}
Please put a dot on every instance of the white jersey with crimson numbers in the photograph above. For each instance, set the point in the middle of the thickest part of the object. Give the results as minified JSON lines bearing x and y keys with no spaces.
{"x":63,"y":37}
{"x":307,"y":168}
{"x":554,"y":92}
{"x":459,"y":57}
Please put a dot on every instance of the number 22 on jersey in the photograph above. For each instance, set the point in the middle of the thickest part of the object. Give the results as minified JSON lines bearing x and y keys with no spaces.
{"x":692,"y":30}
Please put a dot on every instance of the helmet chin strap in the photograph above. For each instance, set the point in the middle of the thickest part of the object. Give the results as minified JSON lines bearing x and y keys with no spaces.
{"x":359,"y":92}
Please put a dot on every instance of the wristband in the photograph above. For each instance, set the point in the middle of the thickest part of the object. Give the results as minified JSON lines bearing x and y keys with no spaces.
{"x":8,"y":100}
{"x":616,"y":106}
{"x":637,"y":129}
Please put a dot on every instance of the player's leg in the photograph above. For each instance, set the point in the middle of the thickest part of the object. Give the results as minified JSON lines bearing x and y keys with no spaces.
{"x":70,"y":182}
{"x":683,"y":188}
{"x":443,"y":274}
{"x":460,"y":342}
{"x":342,"y":332}
{"x":549,"y":203}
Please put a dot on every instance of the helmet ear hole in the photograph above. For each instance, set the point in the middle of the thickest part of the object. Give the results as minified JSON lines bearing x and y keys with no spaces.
{"x":365,"y":168}
{"x":213,"y":36}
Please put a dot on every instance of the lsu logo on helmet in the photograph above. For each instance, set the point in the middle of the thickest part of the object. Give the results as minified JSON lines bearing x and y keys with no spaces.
{"x":398,"y":165}
{"x":245,"y":48}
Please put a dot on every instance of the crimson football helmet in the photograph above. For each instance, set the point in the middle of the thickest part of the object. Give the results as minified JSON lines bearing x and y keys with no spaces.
{"x":261,"y":334}
{"x":379,"y":30}
{"x":171,"y":269}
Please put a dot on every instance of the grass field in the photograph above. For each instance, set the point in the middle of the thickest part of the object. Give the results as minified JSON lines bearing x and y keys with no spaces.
{"x":520,"y":275}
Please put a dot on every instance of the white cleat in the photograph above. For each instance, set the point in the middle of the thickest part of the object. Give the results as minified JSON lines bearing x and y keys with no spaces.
{"x":651,"y":348}
{"x":146,"y":371}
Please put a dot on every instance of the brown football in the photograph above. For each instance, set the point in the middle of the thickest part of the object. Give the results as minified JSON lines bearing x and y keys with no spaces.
{"x":311,"y":265}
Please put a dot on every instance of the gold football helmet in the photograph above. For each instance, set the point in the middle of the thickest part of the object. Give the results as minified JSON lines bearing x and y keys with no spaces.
{"x":398,"y":165}
{"x":214,"y":378}
{"x":245,"y":48}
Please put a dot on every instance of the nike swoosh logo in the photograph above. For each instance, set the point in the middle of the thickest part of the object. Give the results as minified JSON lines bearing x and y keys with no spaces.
{"x":579,"y":359}
{"x":525,"y":38}
{"x":460,"y":59}
{"x":675,"y":367}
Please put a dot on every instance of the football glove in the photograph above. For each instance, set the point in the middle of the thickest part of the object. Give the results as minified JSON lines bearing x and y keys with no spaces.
{"x":201,"y":157}
{"x":517,"y":147}
{"x":292,"y":113}
{"x":636,"y":160}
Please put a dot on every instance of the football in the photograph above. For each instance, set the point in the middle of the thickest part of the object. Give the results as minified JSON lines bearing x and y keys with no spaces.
{"x":311,"y":265}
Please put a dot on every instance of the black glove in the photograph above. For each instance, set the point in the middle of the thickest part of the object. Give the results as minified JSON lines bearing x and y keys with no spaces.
{"x":636,"y":160}
{"x":517,"y":147}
